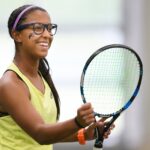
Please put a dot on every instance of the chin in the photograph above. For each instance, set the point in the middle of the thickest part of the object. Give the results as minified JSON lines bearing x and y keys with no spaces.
{"x":42,"y":55}
{"x":44,"y":52}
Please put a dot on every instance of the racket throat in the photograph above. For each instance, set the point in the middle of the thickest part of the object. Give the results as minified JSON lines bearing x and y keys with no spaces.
{"x":111,"y":122}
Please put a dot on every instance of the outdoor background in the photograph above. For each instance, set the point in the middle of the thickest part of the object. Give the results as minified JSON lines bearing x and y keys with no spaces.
{"x":83,"y":27}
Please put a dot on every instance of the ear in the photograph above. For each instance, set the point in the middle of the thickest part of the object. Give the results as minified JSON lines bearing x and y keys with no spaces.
{"x":16,"y":36}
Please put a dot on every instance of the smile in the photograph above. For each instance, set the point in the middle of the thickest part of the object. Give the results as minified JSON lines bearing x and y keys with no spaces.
{"x":44,"y":44}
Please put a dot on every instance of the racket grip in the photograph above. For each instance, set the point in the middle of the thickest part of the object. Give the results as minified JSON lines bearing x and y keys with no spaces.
{"x":98,"y":144}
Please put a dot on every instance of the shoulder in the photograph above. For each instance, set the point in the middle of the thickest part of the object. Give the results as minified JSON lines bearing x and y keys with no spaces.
{"x":9,"y":80}
{"x":10,"y":84}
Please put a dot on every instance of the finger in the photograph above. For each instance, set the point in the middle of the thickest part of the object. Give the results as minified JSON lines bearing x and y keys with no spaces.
{"x":103,"y":119}
{"x":93,"y":125}
{"x":100,"y":125}
{"x":86,"y":112}
{"x":112,"y":127}
{"x":89,"y":116}
{"x":86,"y":106}
{"x":89,"y":121}
{"x":107,"y":133}
{"x":105,"y":137}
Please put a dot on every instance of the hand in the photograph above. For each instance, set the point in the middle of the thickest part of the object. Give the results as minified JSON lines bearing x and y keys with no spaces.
{"x":85,"y":115}
{"x":90,"y":131}
{"x":108,"y":132}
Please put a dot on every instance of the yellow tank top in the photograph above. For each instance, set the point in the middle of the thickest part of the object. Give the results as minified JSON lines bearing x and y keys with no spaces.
{"x":12,"y":137}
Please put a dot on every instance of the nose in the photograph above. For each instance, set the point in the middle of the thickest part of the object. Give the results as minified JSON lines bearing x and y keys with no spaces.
{"x":46,"y":33}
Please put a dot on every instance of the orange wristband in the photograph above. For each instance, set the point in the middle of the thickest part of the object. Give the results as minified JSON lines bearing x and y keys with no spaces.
{"x":81,"y":137}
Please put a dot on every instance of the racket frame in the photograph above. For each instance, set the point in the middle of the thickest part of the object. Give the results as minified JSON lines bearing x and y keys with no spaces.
{"x":115,"y":115}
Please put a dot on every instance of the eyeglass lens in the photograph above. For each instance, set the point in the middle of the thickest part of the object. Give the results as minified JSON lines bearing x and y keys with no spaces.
{"x":39,"y":28}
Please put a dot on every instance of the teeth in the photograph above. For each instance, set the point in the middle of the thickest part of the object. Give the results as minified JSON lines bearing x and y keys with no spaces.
{"x":44,"y":44}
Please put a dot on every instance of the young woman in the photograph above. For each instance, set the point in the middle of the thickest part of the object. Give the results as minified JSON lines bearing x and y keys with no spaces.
{"x":29,"y":102}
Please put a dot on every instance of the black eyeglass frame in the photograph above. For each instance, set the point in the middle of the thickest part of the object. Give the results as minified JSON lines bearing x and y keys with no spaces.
{"x":25,"y":26}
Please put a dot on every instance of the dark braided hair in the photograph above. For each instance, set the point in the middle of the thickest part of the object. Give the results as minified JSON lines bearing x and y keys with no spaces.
{"x":43,"y":65}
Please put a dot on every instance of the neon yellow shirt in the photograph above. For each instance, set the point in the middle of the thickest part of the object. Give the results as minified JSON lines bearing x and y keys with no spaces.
{"x":12,"y":137}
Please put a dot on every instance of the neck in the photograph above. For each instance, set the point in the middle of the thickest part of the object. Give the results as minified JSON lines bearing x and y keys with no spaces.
{"x":27,"y":67}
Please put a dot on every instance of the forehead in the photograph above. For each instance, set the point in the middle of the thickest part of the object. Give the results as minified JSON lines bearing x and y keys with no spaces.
{"x":38,"y":16}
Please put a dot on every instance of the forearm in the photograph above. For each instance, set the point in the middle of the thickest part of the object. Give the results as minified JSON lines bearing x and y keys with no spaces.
{"x":74,"y":138}
{"x":71,"y":138}
{"x":59,"y":132}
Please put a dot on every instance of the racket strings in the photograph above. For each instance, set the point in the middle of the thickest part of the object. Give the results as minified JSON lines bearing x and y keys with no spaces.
{"x":110,"y":79}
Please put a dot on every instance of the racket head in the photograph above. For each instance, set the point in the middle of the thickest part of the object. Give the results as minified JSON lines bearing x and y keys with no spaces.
{"x":111,"y":79}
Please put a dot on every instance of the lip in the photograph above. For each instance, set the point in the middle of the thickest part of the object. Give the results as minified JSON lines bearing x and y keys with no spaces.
{"x":44,"y":44}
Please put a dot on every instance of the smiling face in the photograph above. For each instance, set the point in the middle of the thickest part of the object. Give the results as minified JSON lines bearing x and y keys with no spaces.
{"x":35,"y":45}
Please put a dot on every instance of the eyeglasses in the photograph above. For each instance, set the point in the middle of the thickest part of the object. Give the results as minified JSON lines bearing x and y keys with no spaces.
{"x":39,"y":28}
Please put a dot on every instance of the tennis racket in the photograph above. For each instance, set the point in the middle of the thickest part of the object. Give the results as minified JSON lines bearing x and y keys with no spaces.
{"x":110,"y":80}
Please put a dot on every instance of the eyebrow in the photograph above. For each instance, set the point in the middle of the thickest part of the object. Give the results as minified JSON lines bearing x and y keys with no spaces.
{"x":34,"y":22}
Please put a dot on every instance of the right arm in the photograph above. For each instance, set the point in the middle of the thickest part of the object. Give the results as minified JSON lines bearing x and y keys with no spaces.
{"x":14,"y":99}
{"x":89,"y":132}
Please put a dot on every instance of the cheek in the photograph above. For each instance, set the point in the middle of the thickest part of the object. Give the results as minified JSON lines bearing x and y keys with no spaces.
{"x":32,"y":36}
{"x":50,"y":41}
